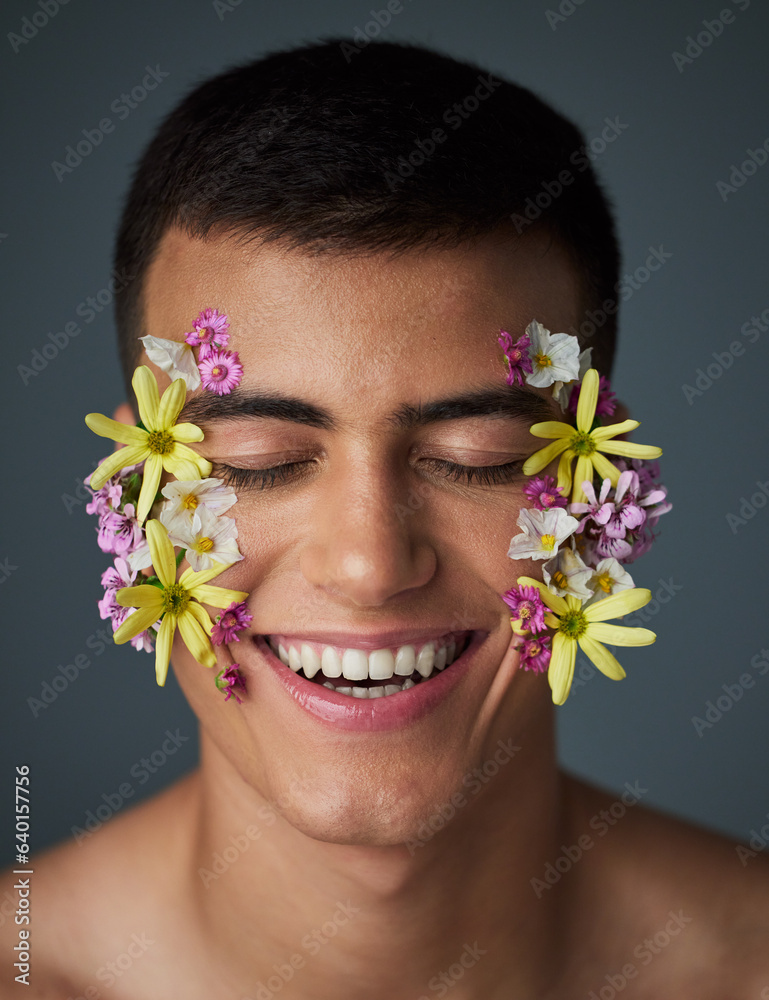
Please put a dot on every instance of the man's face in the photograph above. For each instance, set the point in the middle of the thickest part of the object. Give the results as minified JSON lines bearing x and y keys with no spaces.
{"x":364,"y":536}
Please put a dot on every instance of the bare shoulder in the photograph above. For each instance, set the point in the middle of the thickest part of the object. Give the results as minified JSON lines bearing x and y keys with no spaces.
{"x":693,"y":904}
{"x":94,"y":901}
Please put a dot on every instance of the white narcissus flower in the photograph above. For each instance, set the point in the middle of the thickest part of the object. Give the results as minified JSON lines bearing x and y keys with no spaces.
{"x":542,"y":533}
{"x":208,"y":539}
{"x":184,"y":497}
{"x":174,"y":358}
{"x":554,"y":356}
{"x":566,"y":573}
{"x":609,"y":577}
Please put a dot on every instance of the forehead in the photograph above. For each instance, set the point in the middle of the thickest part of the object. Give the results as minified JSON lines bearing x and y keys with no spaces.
{"x":381,"y":322}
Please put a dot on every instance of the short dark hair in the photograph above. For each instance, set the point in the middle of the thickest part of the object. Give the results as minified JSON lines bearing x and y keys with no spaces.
{"x":333,"y":146}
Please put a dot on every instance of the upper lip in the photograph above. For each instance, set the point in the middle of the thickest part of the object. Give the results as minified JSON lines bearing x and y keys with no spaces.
{"x":369,"y":641}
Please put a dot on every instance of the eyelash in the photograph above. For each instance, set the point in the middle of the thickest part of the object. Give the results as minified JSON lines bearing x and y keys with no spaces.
{"x":240,"y":478}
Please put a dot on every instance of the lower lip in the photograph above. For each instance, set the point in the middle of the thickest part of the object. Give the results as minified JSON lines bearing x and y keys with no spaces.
{"x":372,"y":714}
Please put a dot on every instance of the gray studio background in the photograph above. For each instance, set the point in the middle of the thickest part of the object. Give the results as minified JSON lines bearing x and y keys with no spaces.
{"x":686,"y":125}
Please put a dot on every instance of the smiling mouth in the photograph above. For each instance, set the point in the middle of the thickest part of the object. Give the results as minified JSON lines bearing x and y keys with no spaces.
{"x":377,"y":674}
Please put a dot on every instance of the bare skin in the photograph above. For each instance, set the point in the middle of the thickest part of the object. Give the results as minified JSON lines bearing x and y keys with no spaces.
{"x":331,"y":882}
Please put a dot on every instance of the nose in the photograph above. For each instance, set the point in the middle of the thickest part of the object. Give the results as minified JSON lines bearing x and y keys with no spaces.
{"x":364,"y":550}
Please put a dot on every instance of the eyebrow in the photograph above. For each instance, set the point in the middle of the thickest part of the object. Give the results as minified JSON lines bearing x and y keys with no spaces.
{"x":511,"y":402}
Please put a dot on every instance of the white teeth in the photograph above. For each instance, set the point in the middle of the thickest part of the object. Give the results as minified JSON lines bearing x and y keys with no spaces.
{"x":407,"y":684}
{"x":355,"y":665}
{"x":294,"y":659}
{"x":405,"y":661}
{"x":381,"y":664}
{"x":310,"y":660}
{"x":440,"y":658}
{"x":283,"y":653}
{"x":391,"y":688}
{"x":426,"y":659}
{"x":330,"y":662}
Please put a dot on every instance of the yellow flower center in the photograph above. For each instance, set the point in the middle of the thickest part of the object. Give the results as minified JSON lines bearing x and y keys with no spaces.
{"x":190,"y":501}
{"x":204,"y":544}
{"x":216,"y":371}
{"x":175,"y":599}
{"x":160,"y":442}
{"x":582,"y":444}
{"x":605,"y":582}
{"x":543,"y":360}
{"x":572,"y":624}
{"x":560,"y":580}
{"x":548,"y":541}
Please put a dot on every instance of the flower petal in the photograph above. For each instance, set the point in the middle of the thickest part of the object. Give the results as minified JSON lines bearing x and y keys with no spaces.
{"x":145,"y":387}
{"x":124,"y":433}
{"x":605,"y":468}
{"x":564,"y":472}
{"x":163,"y":644}
{"x":630,"y":450}
{"x":552,"y":429}
{"x":561,"y":671}
{"x":171,"y":404}
{"x":135,"y":623}
{"x":553,"y":601}
{"x":219,"y":597}
{"x":162,"y":551}
{"x":621,"y":635}
{"x":536,"y":462}
{"x":153,"y":470}
{"x":612,"y":430}
{"x":187,"y":433}
{"x":618,"y":604}
{"x":606,"y":662}
{"x":588,"y":398}
{"x":200,"y":613}
{"x":583,"y":472}
{"x":195,"y":639}
{"x":141,"y":596}
{"x":114,"y":463}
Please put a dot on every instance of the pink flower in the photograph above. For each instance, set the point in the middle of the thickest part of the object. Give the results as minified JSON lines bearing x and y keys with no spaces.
{"x":526,"y":606}
{"x":221,"y":371}
{"x":209,"y":331}
{"x":607,"y":401}
{"x":231,"y":621}
{"x":517,"y":354}
{"x":535,"y":653}
{"x":597,"y":509}
{"x":120,"y":533}
{"x":544,"y":493}
{"x":627,"y":514}
{"x":230,"y":681}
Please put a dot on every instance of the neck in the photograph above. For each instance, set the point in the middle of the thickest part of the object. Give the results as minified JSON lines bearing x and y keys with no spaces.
{"x":452,"y":908}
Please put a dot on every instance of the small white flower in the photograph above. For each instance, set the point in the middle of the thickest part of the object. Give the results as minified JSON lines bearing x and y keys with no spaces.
{"x":554,"y":356}
{"x":566,"y":573}
{"x":173,"y":357}
{"x":140,"y":558}
{"x":184,"y":497}
{"x":542,"y":533}
{"x":208,"y":539}
{"x":608,"y":578}
{"x":562,"y":390}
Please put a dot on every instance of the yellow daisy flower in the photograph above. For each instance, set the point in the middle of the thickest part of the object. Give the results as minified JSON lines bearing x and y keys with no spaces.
{"x":589,"y":447}
{"x":163,"y":445}
{"x":175,"y":601}
{"x":587,"y":627}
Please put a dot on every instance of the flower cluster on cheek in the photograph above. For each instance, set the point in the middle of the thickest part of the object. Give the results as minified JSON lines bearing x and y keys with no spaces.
{"x":189,"y":514}
{"x":596,"y":515}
